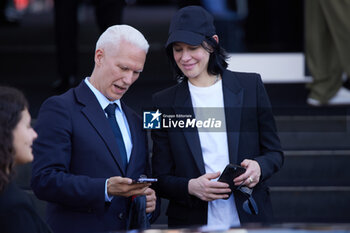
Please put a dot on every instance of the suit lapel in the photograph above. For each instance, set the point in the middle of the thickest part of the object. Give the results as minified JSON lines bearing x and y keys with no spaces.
{"x":233,"y":101}
{"x":96,"y":116}
{"x":183,"y":105}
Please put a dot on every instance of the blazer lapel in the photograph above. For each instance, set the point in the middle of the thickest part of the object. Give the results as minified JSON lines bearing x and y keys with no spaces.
{"x":96,"y":116}
{"x":233,"y":101}
{"x":183,"y":105}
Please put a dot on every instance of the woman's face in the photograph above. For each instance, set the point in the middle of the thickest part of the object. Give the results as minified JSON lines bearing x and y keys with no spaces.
{"x":192,"y":60}
{"x":23,"y":137}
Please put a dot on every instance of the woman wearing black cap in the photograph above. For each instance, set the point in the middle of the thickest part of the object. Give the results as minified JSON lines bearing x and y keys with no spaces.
{"x":232,"y":123}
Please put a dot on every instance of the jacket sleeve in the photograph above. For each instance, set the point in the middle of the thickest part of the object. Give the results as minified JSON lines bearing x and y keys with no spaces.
{"x":51,"y":177}
{"x":271,"y":157}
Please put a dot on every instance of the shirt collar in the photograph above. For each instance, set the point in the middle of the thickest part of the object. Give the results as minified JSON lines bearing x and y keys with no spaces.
{"x":103,"y":101}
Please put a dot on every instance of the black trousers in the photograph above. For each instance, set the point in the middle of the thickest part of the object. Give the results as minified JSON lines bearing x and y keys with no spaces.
{"x":108,"y":13}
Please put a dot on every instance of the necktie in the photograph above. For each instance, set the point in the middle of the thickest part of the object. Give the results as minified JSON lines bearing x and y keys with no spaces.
{"x":110,"y":110}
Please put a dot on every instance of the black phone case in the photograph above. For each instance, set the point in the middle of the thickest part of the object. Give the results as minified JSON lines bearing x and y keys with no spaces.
{"x":230,"y":172}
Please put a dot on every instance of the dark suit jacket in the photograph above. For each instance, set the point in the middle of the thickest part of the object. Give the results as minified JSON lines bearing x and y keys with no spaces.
{"x":18,"y":213}
{"x":74,"y":154}
{"x":251,"y":134}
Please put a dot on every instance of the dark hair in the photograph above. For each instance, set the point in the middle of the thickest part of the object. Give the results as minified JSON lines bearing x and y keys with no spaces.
{"x":217,"y":58}
{"x":12,"y":103}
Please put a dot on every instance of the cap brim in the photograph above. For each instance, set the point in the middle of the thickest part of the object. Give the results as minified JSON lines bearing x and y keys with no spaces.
{"x":187,"y":37}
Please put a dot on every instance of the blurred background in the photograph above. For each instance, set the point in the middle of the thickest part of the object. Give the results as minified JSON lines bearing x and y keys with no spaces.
{"x":265,"y":36}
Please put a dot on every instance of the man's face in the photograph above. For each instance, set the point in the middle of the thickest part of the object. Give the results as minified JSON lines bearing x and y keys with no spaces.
{"x":117,"y":67}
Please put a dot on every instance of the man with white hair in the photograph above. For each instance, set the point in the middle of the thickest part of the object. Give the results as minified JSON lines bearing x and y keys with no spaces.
{"x":91,"y":145}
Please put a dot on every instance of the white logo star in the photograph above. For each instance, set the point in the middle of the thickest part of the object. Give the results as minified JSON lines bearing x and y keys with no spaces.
{"x":156,"y":115}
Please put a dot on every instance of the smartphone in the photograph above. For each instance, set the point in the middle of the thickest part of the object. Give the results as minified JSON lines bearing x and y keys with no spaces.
{"x":230,"y":172}
{"x":145,"y":180}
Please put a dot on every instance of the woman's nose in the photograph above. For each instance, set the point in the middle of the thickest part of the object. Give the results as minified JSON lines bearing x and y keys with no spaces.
{"x":185,"y":56}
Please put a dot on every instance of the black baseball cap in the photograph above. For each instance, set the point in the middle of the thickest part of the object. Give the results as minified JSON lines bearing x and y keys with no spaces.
{"x":191,"y":25}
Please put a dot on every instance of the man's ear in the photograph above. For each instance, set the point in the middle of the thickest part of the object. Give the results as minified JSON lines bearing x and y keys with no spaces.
{"x":216,"y":38}
{"x":99,"y":54}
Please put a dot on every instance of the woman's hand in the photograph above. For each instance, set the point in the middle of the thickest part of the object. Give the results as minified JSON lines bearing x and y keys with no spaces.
{"x":251,"y":177}
{"x":207,"y":190}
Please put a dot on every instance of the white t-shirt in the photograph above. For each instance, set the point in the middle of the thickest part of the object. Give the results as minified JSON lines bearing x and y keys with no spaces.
{"x":208,"y":102}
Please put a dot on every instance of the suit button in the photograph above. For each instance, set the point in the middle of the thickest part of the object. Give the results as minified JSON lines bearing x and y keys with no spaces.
{"x":121,"y":216}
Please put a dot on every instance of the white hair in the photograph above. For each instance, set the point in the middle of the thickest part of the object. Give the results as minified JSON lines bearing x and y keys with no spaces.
{"x":115,"y":34}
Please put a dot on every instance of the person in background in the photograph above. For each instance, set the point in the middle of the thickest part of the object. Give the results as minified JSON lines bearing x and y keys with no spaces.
{"x":92,"y":146}
{"x":188,"y":161}
{"x":17,"y":211}
{"x":327,"y":50}
{"x":229,"y":23}
{"x":107,"y":13}
{"x":9,"y":16}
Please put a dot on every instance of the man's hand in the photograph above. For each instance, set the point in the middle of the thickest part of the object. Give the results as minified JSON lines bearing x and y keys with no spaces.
{"x":150,"y":200}
{"x":207,"y":190}
{"x":120,"y":186}
{"x":251,"y":177}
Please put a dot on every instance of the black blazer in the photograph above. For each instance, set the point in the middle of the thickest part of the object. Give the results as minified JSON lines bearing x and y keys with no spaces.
{"x":18,"y":213}
{"x":251,"y":133}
